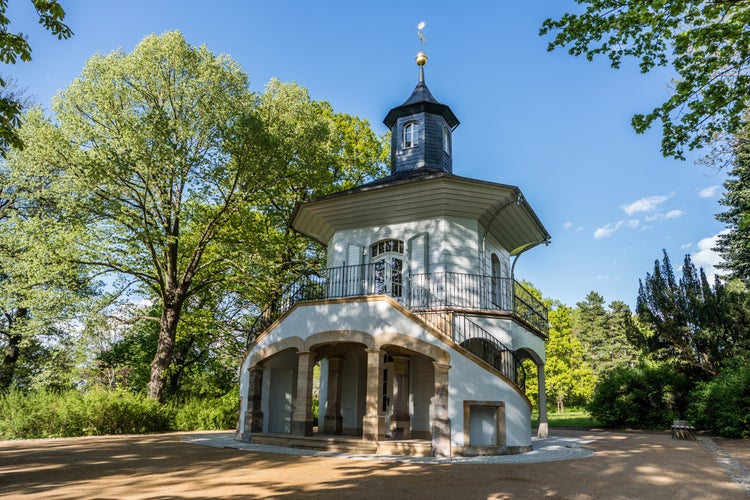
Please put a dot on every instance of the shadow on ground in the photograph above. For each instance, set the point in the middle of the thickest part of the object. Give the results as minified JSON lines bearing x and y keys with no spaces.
{"x":626,"y":465}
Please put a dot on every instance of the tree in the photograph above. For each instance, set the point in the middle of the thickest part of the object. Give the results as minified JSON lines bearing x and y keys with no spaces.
{"x":603,"y":333}
{"x":14,"y":46}
{"x":706,"y":43}
{"x":734,"y":244}
{"x":700,"y":325}
{"x":567,"y":375}
{"x":183,"y":177}
{"x":41,"y":291}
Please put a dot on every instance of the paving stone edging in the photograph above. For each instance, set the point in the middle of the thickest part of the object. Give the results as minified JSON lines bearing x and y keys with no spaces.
{"x":734,"y":468}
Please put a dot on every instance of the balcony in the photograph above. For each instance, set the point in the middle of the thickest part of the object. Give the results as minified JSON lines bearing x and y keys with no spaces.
{"x":444,"y":300}
{"x":420,"y":293}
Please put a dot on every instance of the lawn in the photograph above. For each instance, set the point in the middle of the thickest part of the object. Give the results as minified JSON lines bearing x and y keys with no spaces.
{"x":579,"y":419}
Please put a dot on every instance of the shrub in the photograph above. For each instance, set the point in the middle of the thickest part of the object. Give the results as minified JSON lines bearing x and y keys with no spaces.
{"x":645,"y":397}
{"x":722,"y":405}
{"x":45,"y":414}
{"x":208,"y":413}
{"x":122,"y":412}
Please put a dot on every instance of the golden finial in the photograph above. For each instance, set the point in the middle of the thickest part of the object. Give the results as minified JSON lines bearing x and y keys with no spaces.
{"x":421,"y":56}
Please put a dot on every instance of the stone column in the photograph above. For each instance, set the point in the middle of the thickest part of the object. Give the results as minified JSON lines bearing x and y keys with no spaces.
{"x":400,"y":422}
{"x":302,"y":417}
{"x":441,"y":422}
{"x":333,"y":422}
{"x":253,"y":414}
{"x":543,"y":430}
{"x":373,"y":424}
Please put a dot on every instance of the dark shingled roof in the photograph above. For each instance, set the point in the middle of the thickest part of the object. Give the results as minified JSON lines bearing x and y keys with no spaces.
{"x":421,"y":100}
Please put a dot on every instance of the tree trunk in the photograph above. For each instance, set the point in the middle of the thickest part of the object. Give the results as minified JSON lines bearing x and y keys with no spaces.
{"x":13,"y":349}
{"x":164,"y":349}
{"x":8,"y":366}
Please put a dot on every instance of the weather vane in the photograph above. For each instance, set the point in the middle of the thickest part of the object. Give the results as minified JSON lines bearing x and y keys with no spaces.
{"x":421,"y":56}
{"x":422,"y":41}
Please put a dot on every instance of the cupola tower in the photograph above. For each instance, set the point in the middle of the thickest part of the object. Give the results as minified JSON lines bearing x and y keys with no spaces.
{"x":421,"y":130}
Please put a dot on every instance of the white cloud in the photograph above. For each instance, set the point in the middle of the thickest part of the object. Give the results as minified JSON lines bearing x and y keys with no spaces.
{"x":708,"y":192}
{"x":567,"y":226}
{"x":634,"y":223}
{"x":706,"y":257}
{"x":648,"y":204}
{"x":607,"y":230}
{"x":672,"y":214}
{"x":685,"y":246}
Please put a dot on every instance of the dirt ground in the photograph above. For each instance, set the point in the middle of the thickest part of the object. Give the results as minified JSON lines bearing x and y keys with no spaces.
{"x":626,"y":465}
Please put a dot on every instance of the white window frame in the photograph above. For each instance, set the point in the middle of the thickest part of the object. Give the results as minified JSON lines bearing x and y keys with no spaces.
{"x":411,"y":135}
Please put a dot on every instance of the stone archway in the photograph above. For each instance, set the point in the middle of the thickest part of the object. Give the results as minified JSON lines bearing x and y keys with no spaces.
{"x":524,"y":354}
{"x":418,"y":388}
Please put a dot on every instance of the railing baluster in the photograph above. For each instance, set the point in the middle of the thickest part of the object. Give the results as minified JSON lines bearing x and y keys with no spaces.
{"x":428,"y":291}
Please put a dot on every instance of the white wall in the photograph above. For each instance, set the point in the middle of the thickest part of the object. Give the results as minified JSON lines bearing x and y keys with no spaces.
{"x":467,"y":380}
{"x":452,"y":243}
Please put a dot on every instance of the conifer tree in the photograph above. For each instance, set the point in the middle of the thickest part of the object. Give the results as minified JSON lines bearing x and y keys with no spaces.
{"x":734,"y":245}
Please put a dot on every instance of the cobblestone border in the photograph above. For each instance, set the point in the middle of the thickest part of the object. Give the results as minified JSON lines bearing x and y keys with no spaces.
{"x":734,"y":468}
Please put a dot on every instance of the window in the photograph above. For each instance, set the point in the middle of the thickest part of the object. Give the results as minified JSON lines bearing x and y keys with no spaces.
{"x":411,"y":135}
{"x":446,"y":140}
{"x":387,"y":256}
{"x":386,"y":246}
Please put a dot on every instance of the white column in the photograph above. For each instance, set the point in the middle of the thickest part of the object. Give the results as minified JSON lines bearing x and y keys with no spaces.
{"x":543,"y":430}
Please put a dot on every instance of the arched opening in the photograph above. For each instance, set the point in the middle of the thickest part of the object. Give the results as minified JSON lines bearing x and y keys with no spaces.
{"x":536,"y":390}
{"x":388,"y":259}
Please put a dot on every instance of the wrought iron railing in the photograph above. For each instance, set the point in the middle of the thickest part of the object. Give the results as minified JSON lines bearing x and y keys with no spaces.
{"x":417,"y":292}
{"x":483,"y":344}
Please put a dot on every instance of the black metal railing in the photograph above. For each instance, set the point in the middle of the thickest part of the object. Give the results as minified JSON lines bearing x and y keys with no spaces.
{"x":487,"y":347}
{"x":417,"y":292}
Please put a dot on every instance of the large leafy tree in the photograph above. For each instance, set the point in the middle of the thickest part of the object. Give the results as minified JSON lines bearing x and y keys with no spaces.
{"x":568,"y":376}
{"x":41,"y":292}
{"x":184,"y":178}
{"x":15,"y":46}
{"x":707,"y":43}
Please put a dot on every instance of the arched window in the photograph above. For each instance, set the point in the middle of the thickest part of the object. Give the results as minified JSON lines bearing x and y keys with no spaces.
{"x":497,"y":282}
{"x":446,"y":140}
{"x":388,"y":265}
{"x":411,"y":135}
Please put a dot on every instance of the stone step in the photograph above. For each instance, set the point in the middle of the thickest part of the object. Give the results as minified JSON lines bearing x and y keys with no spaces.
{"x":345,"y":444}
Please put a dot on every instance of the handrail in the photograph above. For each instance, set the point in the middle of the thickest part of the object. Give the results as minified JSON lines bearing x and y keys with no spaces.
{"x":487,"y":347}
{"x":417,"y":292}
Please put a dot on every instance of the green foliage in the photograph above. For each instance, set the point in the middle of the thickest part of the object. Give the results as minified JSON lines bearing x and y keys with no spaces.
{"x":208,"y":413}
{"x":604,"y":334}
{"x":14,"y":46}
{"x":45,"y":414}
{"x":648,"y":396}
{"x":733,"y":244}
{"x":185,"y":182}
{"x":701,"y":326}
{"x":41,"y":288}
{"x":723,"y":404}
{"x":571,"y":418}
{"x":706,"y":43}
{"x":569,"y":378}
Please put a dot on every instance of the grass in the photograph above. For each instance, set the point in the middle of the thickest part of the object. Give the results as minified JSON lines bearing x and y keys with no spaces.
{"x":578,"y":419}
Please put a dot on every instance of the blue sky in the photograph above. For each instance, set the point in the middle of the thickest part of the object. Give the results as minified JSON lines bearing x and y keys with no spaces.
{"x":556,"y":126}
